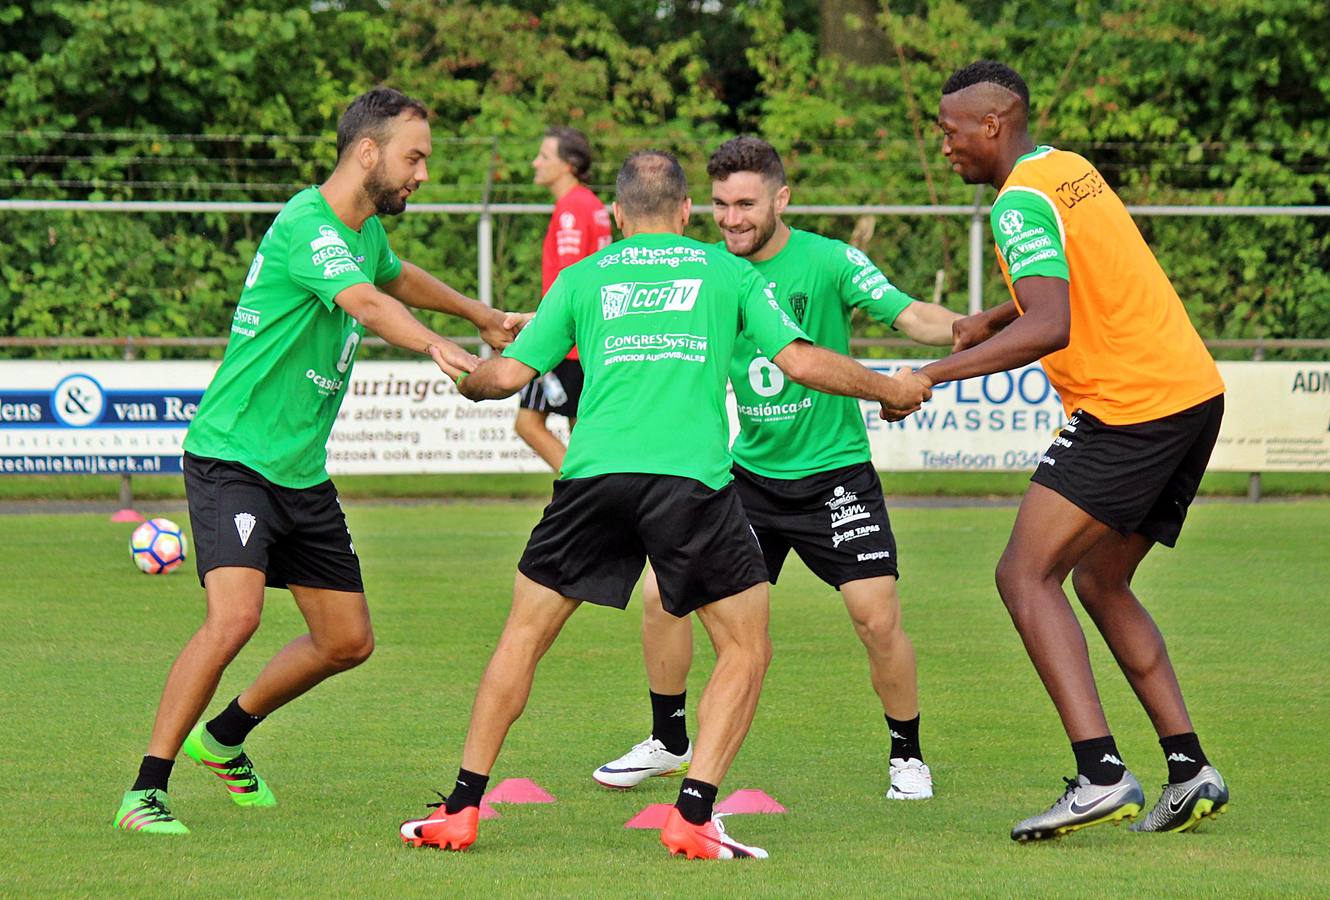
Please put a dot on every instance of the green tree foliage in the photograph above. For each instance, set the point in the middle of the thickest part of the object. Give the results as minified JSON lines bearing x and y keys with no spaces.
{"x":1202,"y":102}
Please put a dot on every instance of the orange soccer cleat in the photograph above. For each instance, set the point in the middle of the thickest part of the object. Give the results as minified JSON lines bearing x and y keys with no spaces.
{"x":447,"y":832}
{"x":707,"y":841}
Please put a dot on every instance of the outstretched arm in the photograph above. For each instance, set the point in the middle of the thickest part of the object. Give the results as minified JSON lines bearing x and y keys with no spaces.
{"x":418,"y":288}
{"x":496,"y":378}
{"x":830,"y":372}
{"x":927,"y":323}
{"x":1045,"y":328}
{"x":393,"y":322}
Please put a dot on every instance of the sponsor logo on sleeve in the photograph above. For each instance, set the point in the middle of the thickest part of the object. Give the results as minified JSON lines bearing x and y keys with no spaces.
{"x":245,"y":321}
{"x":328,"y":236}
{"x":1011,"y":222}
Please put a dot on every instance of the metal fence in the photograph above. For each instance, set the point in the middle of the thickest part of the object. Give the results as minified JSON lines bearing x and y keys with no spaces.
{"x":486,"y":213}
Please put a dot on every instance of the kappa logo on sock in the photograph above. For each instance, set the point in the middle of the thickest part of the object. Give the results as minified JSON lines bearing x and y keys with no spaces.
{"x":677,"y":714}
{"x":1110,"y":758}
{"x":1179,"y":757}
{"x":245,"y":527}
{"x":892,"y":732}
{"x":692,"y":792}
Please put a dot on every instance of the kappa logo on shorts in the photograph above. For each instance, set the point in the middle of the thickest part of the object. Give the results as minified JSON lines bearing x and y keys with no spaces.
{"x":245,"y":527}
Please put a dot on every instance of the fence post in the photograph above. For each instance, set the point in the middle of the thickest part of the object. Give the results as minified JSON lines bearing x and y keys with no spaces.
{"x":126,"y":482}
{"x":485,"y":240}
{"x":977,"y":253}
{"x":1254,"y":479}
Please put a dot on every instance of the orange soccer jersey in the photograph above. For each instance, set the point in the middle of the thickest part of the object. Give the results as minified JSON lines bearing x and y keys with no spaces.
{"x":1133,"y":354}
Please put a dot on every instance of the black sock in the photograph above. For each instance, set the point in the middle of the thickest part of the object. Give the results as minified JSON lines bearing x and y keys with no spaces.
{"x":1184,"y":756}
{"x":1097,"y":759}
{"x":696,"y":800}
{"x":904,"y":738}
{"x":468,"y":790}
{"x":232,"y":725}
{"x":154,"y":773}
{"x":669,"y":723}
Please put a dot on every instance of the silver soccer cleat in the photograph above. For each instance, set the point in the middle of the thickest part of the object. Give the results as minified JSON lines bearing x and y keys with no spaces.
{"x":1084,"y":804}
{"x":1182,"y":806}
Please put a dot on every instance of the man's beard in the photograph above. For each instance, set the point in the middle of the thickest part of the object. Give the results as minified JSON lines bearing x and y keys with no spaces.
{"x":761,"y":235}
{"x":386,"y":198}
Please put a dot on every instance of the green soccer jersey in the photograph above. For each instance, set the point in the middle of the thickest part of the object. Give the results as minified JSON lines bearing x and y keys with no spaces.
{"x":785,"y":429}
{"x":273,"y":401}
{"x":655,"y":318}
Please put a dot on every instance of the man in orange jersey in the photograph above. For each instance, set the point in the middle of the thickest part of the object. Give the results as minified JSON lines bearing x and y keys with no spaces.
{"x":1144,"y":401}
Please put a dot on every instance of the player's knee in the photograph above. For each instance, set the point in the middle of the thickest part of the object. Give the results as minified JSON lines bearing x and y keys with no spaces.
{"x":1015,"y":585}
{"x":1006,"y":576}
{"x":349,"y":653}
{"x":751,"y":655}
{"x":1092,"y":583}
{"x":879,"y":629}
{"x":233,"y":628}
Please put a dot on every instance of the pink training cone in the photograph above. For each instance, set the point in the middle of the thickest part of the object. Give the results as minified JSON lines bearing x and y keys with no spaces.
{"x":126,"y":515}
{"x":652,"y":817}
{"x":749,"y":800}
{"x":519,"y":790}
{"x":487,"y":811}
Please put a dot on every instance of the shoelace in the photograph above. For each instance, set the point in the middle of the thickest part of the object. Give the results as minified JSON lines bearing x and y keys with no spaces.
{"x":1072,"y":784}
{"x":242,"y":767}
{"x":442,"y":804}
{"x":157,"y":806}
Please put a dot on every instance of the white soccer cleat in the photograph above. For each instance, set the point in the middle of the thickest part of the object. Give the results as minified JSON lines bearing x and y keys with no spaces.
{"x":646,"y":760}
{"x":910,"y":780}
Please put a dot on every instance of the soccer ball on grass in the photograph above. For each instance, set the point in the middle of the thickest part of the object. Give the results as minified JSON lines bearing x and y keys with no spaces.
{"x":158,"y":546}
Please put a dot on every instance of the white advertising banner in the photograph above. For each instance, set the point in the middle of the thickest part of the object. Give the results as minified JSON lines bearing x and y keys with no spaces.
{"x":72,"y":417}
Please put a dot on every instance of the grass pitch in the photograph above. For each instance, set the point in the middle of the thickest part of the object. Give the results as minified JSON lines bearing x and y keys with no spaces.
{"x":88,"y":642}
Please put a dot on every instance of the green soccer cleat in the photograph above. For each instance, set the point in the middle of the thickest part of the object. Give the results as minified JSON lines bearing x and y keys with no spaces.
{"x":147,"y":812}
{"x":233,"y":768}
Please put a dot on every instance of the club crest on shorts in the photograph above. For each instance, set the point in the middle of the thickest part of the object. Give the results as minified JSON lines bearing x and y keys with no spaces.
{"x":244,"y":526}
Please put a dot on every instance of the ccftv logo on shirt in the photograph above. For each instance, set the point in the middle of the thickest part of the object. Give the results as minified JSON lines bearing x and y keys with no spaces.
{"x":628,"y":298}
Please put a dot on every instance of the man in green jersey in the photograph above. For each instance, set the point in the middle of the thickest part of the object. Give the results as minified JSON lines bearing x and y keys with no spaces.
{"x":262,"y":508}
{"x":656,"y":316}
{"x":802,"y":466}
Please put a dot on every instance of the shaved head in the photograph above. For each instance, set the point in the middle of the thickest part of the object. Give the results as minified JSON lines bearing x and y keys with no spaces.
{"x":989,"y":73}
{"x":984,"y":116}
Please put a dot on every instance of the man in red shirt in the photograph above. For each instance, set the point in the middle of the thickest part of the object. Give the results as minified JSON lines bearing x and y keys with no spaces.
{"x":579,"y":227}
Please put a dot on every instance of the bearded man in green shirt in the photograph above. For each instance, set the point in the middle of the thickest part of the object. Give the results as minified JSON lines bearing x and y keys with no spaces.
{"x":262,"y":508}
{"x":802,"y":467}
{"x":656,"y":318}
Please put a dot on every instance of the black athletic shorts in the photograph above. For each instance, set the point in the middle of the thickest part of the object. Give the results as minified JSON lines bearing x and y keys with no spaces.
{"x":293,"y":535}
{"x":836,"y":521}
{"x":558,"y":391}
{"x":1134,"y":478}
{"x":597,"y":533}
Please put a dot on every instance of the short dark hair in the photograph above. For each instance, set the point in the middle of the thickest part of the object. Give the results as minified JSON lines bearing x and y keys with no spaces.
{"x":369,"y":115}
{"x":651,"y":183}
{"x":573,"y":148}
{"x":987,"y":71}
{"x":746,"y":154}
